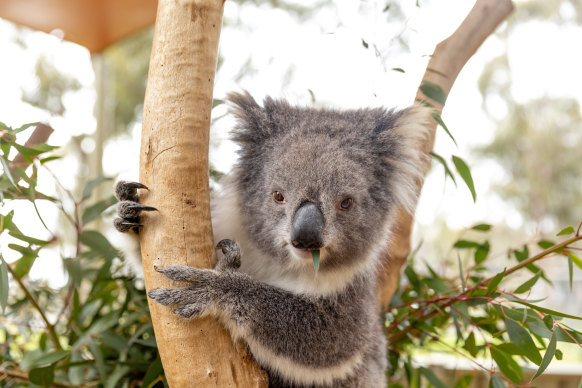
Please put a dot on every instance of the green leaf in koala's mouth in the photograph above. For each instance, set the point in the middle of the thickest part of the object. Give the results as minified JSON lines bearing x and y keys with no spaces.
{"x":315,"y":256}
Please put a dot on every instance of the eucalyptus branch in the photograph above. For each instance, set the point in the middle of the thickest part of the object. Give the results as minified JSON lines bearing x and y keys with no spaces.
{"x":50,"y":327}
{"x":553,"y":249}
{"x":465,"y":294}
{"x":76,"y":222}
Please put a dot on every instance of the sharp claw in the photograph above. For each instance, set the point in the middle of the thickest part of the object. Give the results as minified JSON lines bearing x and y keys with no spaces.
{"x":128,"y":190}
{"x":131,"y":224}
{"x":124,"y":225}
{"x":142,"y":207}
{"x":135,"y":185}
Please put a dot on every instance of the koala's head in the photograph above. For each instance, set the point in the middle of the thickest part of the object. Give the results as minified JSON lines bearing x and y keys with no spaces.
{"x":325,"y":179}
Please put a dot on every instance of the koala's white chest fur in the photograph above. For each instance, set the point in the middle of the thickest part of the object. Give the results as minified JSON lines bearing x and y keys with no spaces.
{"x":299,"y":275}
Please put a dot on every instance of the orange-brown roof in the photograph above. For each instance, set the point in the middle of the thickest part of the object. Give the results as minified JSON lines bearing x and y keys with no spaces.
{"x":94,"y":24}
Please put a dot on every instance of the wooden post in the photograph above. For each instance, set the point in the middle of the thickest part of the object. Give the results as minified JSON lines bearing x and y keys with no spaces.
{"x":443,"y":68}
{"x":174,"y":165}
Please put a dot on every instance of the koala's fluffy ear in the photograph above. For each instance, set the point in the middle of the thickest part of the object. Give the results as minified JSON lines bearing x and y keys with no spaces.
{"x":405,"y":138}
{"x":252,"y":119}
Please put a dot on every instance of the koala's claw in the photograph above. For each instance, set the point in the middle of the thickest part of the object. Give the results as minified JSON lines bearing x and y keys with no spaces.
{"x":127,"y":191}
{"x":123,"y":225}
{"x":231,"y":259}
{"x":129,"y":209}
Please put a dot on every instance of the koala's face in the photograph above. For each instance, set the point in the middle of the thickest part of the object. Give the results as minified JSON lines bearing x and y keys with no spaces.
{"x":317,"y":179}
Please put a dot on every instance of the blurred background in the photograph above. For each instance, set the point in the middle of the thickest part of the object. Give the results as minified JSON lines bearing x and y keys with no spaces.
{"x":514,"y":113}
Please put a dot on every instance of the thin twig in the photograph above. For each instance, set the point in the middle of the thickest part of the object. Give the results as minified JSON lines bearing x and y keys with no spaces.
{"x":50,"y":328}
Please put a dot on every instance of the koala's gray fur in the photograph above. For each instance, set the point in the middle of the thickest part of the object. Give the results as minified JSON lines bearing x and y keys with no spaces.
{"x":307,"y":329}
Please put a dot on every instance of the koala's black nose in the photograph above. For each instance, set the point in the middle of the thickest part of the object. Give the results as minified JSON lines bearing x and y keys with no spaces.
{"x":307,"y":231}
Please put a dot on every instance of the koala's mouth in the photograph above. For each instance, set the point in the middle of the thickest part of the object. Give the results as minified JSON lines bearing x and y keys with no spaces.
{"x":302,"y":253}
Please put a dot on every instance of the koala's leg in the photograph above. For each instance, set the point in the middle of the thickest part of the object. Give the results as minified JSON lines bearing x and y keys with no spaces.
{"x":129,"y":208}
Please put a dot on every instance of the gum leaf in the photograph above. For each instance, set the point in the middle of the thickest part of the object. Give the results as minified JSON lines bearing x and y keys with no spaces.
{"x":315,"y":256}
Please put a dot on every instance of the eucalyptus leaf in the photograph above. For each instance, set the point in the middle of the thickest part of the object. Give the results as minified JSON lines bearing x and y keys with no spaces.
{"x":570,"y":273}
{"x":522,"y":339}
{"x":90,"y":186}
{"x":154,"y":371}
{"x":507,"y":365}
{"x":545,"y":244}
{"x":464,"y":382}
{"x":26,"y":126}
{"x":482,"y":252}
{"x":482,"y":227}
{"x":315,"y":257}
{"x":4,"y":285}
{"x":575,"y":259}
{"x":99,"y":360}
{"x":24,"y":264}
{"x":94,"y":211}
{"x":465,"y":244}
{"x":528,"y":284}
{"x":434,"y":92}
{"x":97,"y":242}
{"x":471,"y":345}
{"x":443,"y":162}
{"x":6,"y":171}
{"x":118,"y":373}
{"x":497,"y":382}
{"x":462,"y":276}
{"x":431,"y":377}
{"x":549,"y":322}
{"x":28,"y":239}
{"x":548,"y":311}
{"x":548,"y":355}
{"x":437,"y":117}
{"x":492,"y":287}
{"x":465,"y":172}
{"x":566,"y":231}
{"x":42,"y":376}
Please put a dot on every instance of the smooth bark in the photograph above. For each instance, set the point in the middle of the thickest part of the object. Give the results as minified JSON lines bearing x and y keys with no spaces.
{"x":174,"y":165}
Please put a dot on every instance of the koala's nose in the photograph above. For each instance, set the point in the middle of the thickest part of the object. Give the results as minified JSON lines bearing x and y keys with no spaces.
{"x":307,"y":231}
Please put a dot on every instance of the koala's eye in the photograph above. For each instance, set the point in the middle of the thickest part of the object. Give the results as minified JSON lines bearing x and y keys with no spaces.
{"x":278,"y":197}
{"x":346,"y":204}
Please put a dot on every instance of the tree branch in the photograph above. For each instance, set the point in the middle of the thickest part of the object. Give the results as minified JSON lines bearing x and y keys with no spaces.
{"x":443,"y":68}
{"x":174,"y":165}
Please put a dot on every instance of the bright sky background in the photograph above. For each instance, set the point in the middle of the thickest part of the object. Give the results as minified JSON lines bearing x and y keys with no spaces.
{"x":330,"y":60}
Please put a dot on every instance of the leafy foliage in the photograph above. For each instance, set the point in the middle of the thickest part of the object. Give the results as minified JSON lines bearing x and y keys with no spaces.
{"x":93,"y":331}
{"x":478,"y":316}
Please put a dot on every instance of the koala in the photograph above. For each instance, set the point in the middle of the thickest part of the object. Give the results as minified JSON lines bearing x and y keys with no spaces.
{"x":307,"y":181}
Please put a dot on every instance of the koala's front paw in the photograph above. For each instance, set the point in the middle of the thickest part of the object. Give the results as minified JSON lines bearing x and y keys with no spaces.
{"x":193,"y":300}
{"x":231,"y":258}
{"x":128,"y":208}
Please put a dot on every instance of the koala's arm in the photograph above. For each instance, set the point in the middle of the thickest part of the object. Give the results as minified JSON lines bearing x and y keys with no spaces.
{"x":283,"y":329}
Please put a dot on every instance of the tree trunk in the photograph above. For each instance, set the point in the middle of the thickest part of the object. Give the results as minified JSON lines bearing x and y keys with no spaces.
{"x":174,"y":165}
{"x":443,"y":68}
